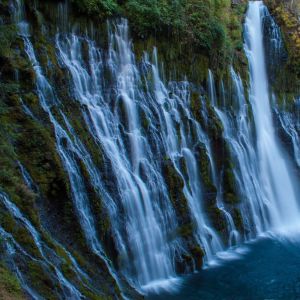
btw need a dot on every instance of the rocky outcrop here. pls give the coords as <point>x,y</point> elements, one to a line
<point>286,14</point>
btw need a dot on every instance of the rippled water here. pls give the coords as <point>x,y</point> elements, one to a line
<point>269,270</point>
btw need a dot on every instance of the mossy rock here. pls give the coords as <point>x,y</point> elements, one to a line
<point>218,220</point>
<point>186,230</point>
<point>205,171</point>
<point>198,255</point>
<point>175,186</point>
<point>238,220</point>
<point>10,288</point>
<point>288,76</point>
<point>231,198</point>
<point>41,281</point>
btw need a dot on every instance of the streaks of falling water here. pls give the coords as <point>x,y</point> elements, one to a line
<point>70,292</point>
<point>146,223</point>
<point>291,126</point>
<point>177,112</point>
<point>115,122</point>
<point>66,148</point>
<point>234,236</point>
<point>30,184</point>
<point>239,136</point>
<point>11,250</point>
<point>275,175</point>
<point>153,256</point>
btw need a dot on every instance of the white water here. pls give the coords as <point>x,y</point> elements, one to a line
<point>69,290</point>
<point>11,249</point>
<point>116,98</point>
<point>275,176</point>
<point>66,149</point>
<point>291,126</point>
<point>145,223</point>
<point>175,113</point>
<point>239,136</point>
<point>234,236</point>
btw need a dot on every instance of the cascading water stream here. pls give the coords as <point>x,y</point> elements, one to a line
<point>12,249</point>
<point>32,186</point>
<point>139,122</point>
<point>66,149</point>
<point>70,292</point>
<point>146,224</point>
<point>291,126</point>
<point>174,110</point>
<point>239,136</point>
<point>234,236</point>
<point>275,175</point>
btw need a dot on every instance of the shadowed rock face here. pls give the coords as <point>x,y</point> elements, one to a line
<point>273,42</point>
<point>286,14</point>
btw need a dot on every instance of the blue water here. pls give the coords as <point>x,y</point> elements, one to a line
<point>269,270</point>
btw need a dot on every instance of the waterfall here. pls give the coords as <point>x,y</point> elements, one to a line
<point>240,138</point>
<point>234,236</point>
<point>136,173</point>
<point>291,127</point>
<point>275,176</point>
<point>69,290</point>
<point>176,111</point>
<point>140,123</point>
<point>11,248</point>
<point>68,151</point>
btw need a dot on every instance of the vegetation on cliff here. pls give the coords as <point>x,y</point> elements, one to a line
<point>212,28</point>
<point>10,288</point>
<point>192,36</point>
<point>287,15</point>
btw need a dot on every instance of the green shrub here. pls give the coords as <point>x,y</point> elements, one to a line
<point>148,16</point>
<point>7,36</point>
<point>102,8</point>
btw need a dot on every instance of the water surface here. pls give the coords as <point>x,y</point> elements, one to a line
<point>270,270</point>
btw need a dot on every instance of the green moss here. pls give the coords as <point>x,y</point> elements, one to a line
<point>7,222</point>
<point>288,75</point>
<point>186,230</point>
<point>231,196</point>
<point>218,220</point>
<point>101,218</point>
<point>19,232</point>
<point>238,220</point>
<point>196,107</point>
<point>198,33</point>
<point>145,122</point>
<point>175,186</point>
<point>205,169</point>
<point>101,8</point>
<point>93,296</point>
<point>24,238</point>
<point>215,127</point>
<point>41,281</point>
<point>8,34</point>
<point>198,254</point>
<point>10,288</point>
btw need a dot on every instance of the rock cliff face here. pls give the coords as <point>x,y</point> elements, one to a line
<point>121,162</point>
<point>286,14</point>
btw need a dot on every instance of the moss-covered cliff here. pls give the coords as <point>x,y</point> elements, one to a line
<point>191,37</point>
<point>287,14</point>
<point>10,288</point>
<point>198,34</point>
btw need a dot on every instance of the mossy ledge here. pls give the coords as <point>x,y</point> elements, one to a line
<point>286,13</point>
